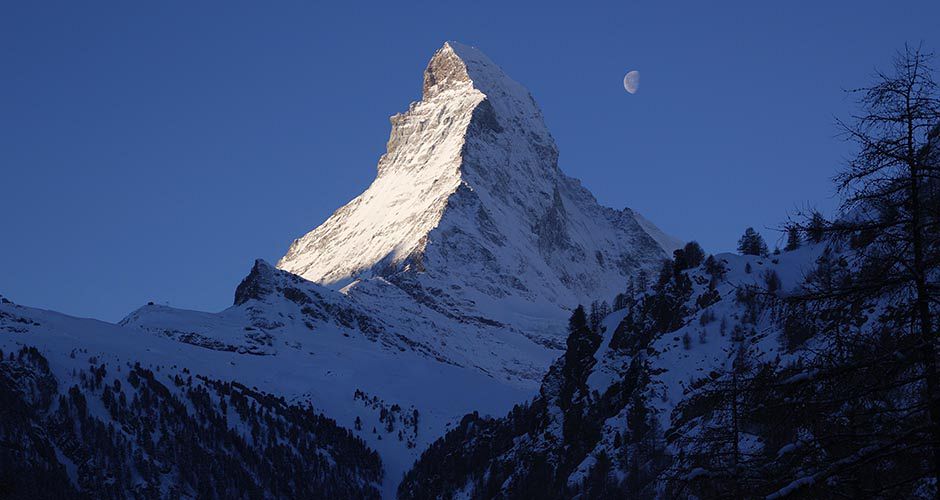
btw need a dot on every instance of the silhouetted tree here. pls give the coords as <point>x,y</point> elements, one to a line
<point>752,243</point>
<point>816,228</point>
<point>890,221</point>
<point>793,238</point>
<point>689,256</point>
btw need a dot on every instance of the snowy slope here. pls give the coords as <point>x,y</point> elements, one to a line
<point>675,365</point>
<point>323,367</point>
<point>663,369</point>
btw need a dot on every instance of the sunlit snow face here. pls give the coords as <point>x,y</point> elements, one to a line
<point>631,82</point>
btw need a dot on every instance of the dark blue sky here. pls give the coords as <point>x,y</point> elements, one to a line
<point>151,152</point>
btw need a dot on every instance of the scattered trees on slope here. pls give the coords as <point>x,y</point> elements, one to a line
<point>153,436</point>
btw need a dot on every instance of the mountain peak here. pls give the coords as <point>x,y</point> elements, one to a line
<point>470,207</point>
<point>256,284</point>
<point>464,94</point>
<point>460,67</point>
<point>445,70</point>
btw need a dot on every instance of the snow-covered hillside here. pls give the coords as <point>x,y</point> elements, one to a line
<point>727,377</point>
<point>336,369</point>
<point>646,365</point>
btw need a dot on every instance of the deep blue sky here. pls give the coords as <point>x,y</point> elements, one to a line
<point>152,150</point>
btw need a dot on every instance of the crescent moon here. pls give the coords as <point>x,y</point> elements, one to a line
<point>631,82</point>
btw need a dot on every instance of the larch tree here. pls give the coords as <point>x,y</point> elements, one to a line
<point>890,223</point>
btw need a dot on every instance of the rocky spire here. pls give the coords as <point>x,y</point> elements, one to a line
<point>446,70</point>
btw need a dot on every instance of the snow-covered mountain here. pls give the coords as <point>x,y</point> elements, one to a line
<point>469,248</point>
<point>470,214</point>
<point>442,290</point>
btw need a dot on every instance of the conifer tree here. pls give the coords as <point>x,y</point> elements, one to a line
<point>816,228</point>
<point>752,243</point>
<point>793,238</point>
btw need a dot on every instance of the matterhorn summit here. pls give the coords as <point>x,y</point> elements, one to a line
<point>469,249</point>
<point>470,214</point>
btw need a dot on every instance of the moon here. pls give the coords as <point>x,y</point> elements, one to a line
<point>631,82</point>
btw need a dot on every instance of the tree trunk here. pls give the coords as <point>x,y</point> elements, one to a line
<point>734,430</point>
